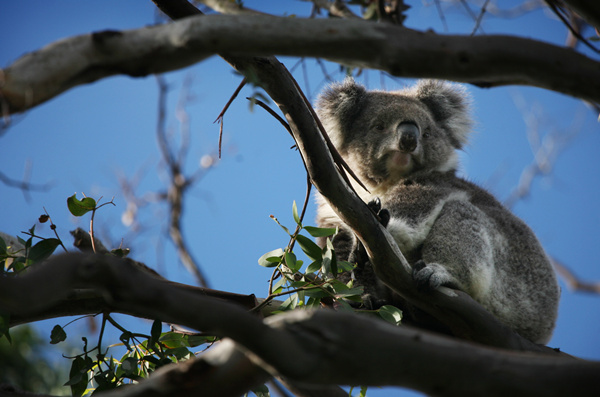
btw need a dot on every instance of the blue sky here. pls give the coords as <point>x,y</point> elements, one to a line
<point>82,140</point>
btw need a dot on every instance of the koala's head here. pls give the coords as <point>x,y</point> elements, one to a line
<point>387,136</point>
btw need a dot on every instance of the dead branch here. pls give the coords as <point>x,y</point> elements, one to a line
<point>573,282</point>
<point>25,185</point>
<point>486,61</point>
<point>179,183</point>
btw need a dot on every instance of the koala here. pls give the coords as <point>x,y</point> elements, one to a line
<point>403,146</point>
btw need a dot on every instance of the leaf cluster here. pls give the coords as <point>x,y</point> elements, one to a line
<point>144,354</point>
<point>318,283</point>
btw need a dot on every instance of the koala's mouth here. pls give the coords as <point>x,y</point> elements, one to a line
<point>399,163</point>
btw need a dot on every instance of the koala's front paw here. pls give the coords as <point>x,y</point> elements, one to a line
<point>358,254</point>
<point>382,214</point>
<point>431,275</point>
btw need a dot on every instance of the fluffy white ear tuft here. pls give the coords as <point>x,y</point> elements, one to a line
<point>450,105</point>
<point>337,106</point>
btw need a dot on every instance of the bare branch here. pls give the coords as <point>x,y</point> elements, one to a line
<point>178,183</point>
<point>573,282</point>
<point>24,185</point>
<point>545,151</point>
<point>486,61</point>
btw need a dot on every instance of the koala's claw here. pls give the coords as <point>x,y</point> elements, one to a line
<point>382,214</point>
<point>430,276</point>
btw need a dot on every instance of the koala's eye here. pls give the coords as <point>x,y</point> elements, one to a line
<point>379,127</point>
<point>426,134</point>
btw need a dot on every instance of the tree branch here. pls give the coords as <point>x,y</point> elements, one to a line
<point>486,61</point>
<point>588,10</point>
<point>403,356</point>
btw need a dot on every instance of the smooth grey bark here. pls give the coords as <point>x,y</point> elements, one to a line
<point>486,61</point>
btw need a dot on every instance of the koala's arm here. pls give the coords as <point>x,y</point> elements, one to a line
<point>458,251</point>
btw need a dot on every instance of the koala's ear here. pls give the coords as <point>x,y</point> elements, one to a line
<point>339,99</point>
<point>450,105</point>
<point>338,107</point>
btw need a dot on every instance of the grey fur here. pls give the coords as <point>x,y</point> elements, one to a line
<point>451,231</point>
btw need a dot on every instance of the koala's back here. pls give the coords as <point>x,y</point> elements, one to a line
<point>480,246</point>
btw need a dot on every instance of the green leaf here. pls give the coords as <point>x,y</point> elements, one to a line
<point>314,267</point>
<point>17,264</point>
<point>57,335</point>
<point>42,250</point>
<point>344,266</point>
<point>295,213</point>
<point>290,303</point>
<point>283,227</point>
<point>180,353</point>
<point>290,261</point>
<point>156,331</point>
<point>268,259</point>
<point>80,207</point>
<point>78,379</point>
<point>329,259</point>
<point>22,242</point>
<point>197,340</point>
<point>130,366</point>
<point>391,314</point>
<point>278,286</point>
<point>320,231</point>
<point>312,250</point>
<point>261,391</point>
<point>173,340</point>
<point>316,293</point>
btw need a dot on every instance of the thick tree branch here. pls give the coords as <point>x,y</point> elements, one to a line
<point>404,357</point>
<point>486,61</point>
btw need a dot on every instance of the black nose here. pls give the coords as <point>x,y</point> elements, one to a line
<point>409,137</point>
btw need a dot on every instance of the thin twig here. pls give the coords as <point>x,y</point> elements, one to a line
<point>573,31</point>
<point>272,113</point>
<point>573,282</point>
<point>222,114</point>
<point>441,14</point>
<point>480,18</point>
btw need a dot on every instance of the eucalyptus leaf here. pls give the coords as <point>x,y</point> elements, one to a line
<point>320,231</point>
<point>314,266</point>
<point>267,259</point>
<point>391,314</point>
<point>130,365</point>
<point>80,207</point>
<point>310,248</point>
<point>290,261</point>
<point>78,379</point>
<point>295,213</point>
<point>42,250</point>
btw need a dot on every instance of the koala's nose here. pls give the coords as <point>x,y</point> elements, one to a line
<point>409,137</point>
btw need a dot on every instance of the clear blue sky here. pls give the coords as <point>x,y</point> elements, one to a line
<point>82,140</point>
